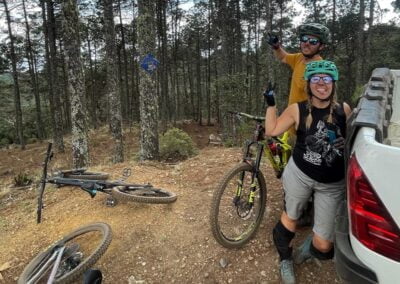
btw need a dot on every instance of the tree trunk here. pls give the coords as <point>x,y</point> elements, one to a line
<point>209,67</point>
<point>215,47</point>
<point>112,83</point>
<point>257,64</point>
<point>369,35</point>
<point>148,95</point>
<point>360,44</point>
<point>125,66</point>
<point>32,72</point>
<point>333,30</point>
<point>175,68</point>
<point>162,30</point>
<point>270,55</point>
<point>65,100</point>
<point>135,75</point>
<point>55,93</point>
<point>186,102</point>
<point>198,79</point>
<point>17,96</point>
<point>48,73</point>
<point>191,83</point>
<point>91,103</point>
<point>238,38</point>
<point>76,84</point>
<point>249,102</point>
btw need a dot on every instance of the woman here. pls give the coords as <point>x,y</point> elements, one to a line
<point>316,166</point>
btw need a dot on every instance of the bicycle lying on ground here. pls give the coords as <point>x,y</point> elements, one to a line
<point>68,259</point>
<point>118,190</point>
<point>239,202</point>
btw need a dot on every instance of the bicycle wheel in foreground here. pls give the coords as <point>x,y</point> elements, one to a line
<point>81,249</point>
<point>234,220</point>
<point>143,195</point>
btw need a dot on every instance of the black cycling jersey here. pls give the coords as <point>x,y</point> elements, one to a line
<point>314,152</point>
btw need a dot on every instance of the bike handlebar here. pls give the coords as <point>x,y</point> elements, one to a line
<point>253,117</point>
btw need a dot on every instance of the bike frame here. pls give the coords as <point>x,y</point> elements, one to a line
<point>258,141</point>
<point>90,186</point>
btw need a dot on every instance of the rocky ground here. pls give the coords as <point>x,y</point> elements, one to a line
<point>151,243</point>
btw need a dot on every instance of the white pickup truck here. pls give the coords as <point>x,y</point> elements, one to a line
<point>367,245</point>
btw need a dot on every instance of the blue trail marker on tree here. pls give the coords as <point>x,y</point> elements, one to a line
<point>149,63</point>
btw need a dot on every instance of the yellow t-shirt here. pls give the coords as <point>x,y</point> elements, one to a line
<point>296,61</point>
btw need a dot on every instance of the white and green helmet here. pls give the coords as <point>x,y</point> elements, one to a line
<point>321,67</point>
<point>315,29</point>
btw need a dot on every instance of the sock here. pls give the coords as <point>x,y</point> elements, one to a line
<point>282,238</point>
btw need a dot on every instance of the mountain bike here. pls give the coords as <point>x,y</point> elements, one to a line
<point>239,202</point>
<point>68,259</point>
<point>117,190</point>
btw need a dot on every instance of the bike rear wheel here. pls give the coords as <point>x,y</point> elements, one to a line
<point>234,221</point>
<point>85,175</point>
<point>143,195</point>
<point>83,247</point>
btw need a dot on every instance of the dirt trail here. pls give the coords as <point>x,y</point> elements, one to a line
<point>155,243</point>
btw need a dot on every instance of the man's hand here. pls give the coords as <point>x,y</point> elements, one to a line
<point>338,143</point>
<point>273,41</point>
<point>269,95</point>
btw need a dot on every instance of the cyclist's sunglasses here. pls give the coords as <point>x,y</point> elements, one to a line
<point>312,41</point>
<point>317,79</point>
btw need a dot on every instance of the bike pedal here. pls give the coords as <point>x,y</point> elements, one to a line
<point>111,202</point>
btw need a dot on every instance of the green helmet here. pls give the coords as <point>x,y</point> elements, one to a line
<point>315,29</point>
<point>321,67</point>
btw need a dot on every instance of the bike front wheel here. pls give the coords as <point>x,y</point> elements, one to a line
<point>81,249</point>
<point>143,194</point>
<point>236,210</point>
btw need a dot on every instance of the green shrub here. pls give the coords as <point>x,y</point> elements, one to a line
<point>229,142</point>
<point>22,179</point>
<point>32,140</point>
<point>176,145</point>
<point>4,142</point>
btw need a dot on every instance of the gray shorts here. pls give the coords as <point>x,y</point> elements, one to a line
<point>298,188</point>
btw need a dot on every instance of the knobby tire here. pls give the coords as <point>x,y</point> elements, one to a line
<point>215,214</point>
<point>143,195</point>
<point>76,273</point>
<point>86,175</point>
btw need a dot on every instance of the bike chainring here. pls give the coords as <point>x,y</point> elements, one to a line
<point>69,264</point>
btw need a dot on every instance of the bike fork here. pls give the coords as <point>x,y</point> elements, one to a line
<point>253,186</point>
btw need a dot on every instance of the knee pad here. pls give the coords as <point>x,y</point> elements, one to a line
<point>282,238</point>
<point>321,255</point>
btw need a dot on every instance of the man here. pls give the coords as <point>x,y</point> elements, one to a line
<point>313,38</point>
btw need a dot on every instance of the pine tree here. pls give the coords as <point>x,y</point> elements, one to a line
<point>17,95</point>
<point>147,86</point>
<point>114,102</point>
<point>76,84</point>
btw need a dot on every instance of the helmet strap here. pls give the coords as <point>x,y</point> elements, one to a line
<point>322,100</point>
<point>309,56</point>
<point>315,53</point>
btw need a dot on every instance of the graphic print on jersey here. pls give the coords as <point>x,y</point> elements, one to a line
<point>319,148</point>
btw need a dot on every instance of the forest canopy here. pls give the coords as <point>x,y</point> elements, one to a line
<point>213,57</point>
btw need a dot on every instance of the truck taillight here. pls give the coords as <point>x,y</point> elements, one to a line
<point>371,223</point>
